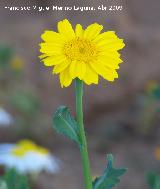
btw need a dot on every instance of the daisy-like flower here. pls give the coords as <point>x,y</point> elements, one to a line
<point>27,157</point>
<point>81,53</point>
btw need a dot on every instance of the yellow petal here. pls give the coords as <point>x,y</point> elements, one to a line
<point>54,60</point>
<point>65,78</point>
<point>111,45</point>
<point>110,54</point>
<point>60,67</point>
<point>110,62</point>
<point>51,36</point>
<point>92,31</point>
<point>105,36</point>
<point>42,56</point>
<point>79,30</point>
<point>109,41</point>
<point>77,69</point>
<point>65,29</point>
<point>90,76</point>
<point>108,74</point>
<point>50,48</point>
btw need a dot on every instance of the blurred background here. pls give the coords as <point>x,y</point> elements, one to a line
<point>121,118</point>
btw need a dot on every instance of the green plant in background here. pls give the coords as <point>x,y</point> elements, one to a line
<point>6,54</point>
<point>9,61</point>
<point>150,107</point>
<point>153,90</point>
<point>25,103</point>
<point>26,106</point>
<point>153,180</point>
<point>13,180</point>
<point>10,71</point>
<point>11,68</point>
<point>82,56</point>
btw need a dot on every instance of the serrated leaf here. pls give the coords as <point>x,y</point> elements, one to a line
<point>64,124</point>
<point>110,176</point>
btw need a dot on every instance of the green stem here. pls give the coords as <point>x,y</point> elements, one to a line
<point>83,149</point>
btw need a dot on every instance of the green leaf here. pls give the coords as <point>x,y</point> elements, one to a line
<point>25,102</point>
<point>153,180</point>
<point>64,124</point>
<point>110,176</point>
<point>22,183</point>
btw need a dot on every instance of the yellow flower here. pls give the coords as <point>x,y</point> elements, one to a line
<point>84,54</point>
<point>157,153</point>
<point>17,63</point>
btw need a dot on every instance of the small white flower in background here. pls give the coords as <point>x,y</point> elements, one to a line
<point>5,118</point>
<point>27,157</point>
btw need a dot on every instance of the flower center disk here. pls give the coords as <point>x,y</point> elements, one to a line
<point>80,50</point>
<point>25,146</point>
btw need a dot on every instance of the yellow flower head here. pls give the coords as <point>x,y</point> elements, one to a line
<point>17,63</point>
<point>81,53</point>
<point>157,153</point>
